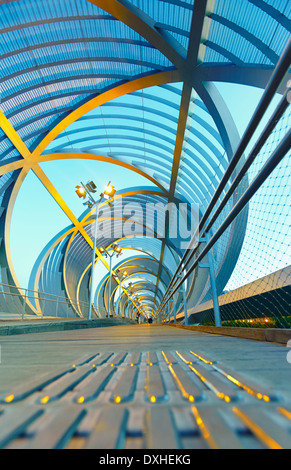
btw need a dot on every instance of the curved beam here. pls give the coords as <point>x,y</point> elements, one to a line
<point>13,136</point>
<point>85,221</point>
<point>105,279</point>
<point>220,114</point>
<point>104,283</point>
<point>82,156</point>
<point>123,89</point>
<point>71,78</point>
<point>153,111</point>
<point>224,52</point>
<point>55,20</point>
<point>250,75</point>
<point>140,130</point>
<point>72,93</point>
<point>79,284</point>
<point>65,270</point>
<point>114,289</point>
<point>38,266</point>
<point>160,146</point>
<point>101,158</point>
<point>276,14</point>
<point>257,76</point>
<point>74,40</point>
<point>75,60</point>
<point>205,177</point>
<point>143,265</point>
<point>17,141</point>
<point>198,17</point>
<point>89,265</point>
<point>151,122</point>
<point>254,40</point>
<point>14,165</point>
<point>145,26</point>
<point>9,211</point>
<point>46,252</point>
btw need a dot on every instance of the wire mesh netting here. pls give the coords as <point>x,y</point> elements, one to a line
<point>258,293</point>
<point>28,304</point>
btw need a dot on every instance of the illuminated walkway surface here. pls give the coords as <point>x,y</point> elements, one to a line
<point>142,386</point>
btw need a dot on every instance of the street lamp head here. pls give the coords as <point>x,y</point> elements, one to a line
<point>117,249</point>
<point>91,186</point>
<point>109,191</point>
<point>80,192</point>
<point>102,250</point>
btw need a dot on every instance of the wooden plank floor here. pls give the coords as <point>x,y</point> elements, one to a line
<point>143,387</point>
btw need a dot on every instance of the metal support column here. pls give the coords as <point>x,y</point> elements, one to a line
<point>24,304</point>
<point>91,299</point>
<point>57,307</point>
<point>183,291</point>
<point>185,306</point>
<point>109,287</point>
<point>210,266</point>
<point>174,308</point>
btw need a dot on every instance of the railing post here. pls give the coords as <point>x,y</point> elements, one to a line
<point>57,307</point>
<point>174,308</point>
<point>185,306</point>
<point>183,291</point>
<point>24,304</point>
<point>216,309</point>
<point>109,284</point>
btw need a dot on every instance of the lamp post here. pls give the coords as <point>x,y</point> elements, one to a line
<point>124,274</point>
<point>117,251</point>
<point>121,277</point>
<point>108,193</point>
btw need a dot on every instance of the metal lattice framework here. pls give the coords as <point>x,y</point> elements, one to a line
<point>131,84</point>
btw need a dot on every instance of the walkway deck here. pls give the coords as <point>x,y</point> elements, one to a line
<point>143,386</point>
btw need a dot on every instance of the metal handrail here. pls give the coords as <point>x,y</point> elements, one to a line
<point>278,113</point>
<point>27,294</point>
<point>38,292</point>
<point>270,90</point>
<point>267,169</point>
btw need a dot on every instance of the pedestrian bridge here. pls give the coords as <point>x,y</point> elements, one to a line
<point>145,224</point>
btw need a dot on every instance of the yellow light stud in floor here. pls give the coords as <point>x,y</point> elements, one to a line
<point>9,398</point>
<point>45,399</point>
